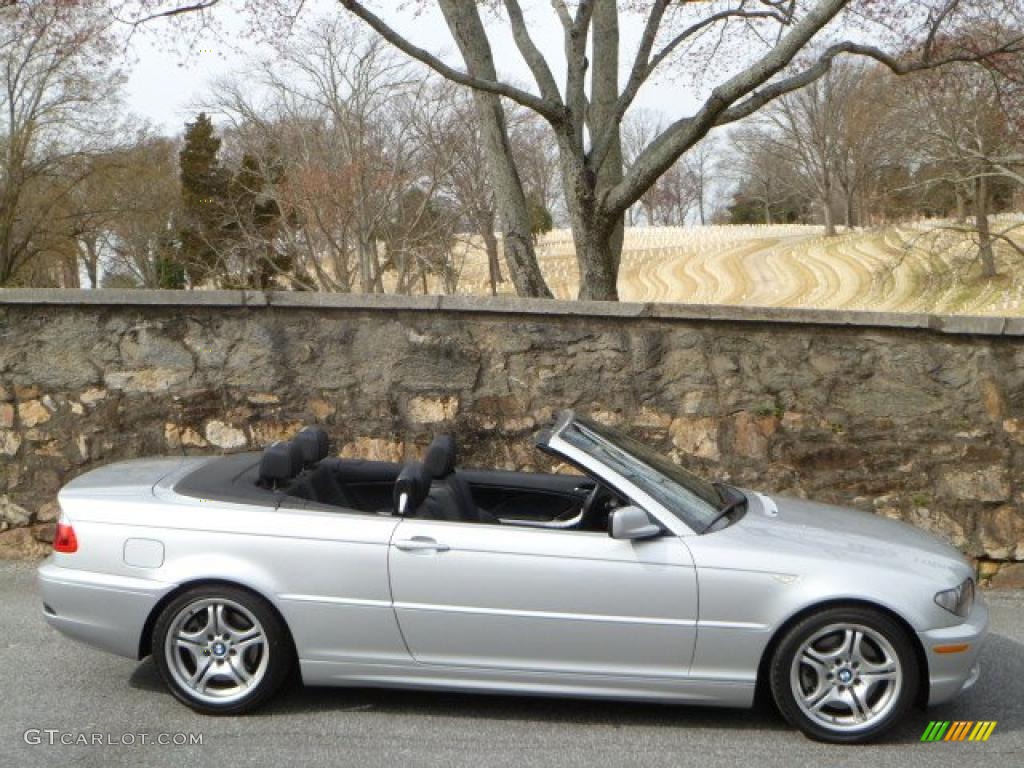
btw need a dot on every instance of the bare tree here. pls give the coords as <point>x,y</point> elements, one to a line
<point>796,44</point>
<point>700,163</point>
<point>639,129</point>
<point>332,112</point>
<point>137,239</point>
<point>760,174</point>
<point>453,140</point>
<point>968,129</point>
<point>806,128</point>
<point>55,93</point>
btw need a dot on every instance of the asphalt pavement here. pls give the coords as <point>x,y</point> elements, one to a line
<point>49,683</point>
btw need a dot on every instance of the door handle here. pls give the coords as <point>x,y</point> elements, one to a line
<point>421,544</point>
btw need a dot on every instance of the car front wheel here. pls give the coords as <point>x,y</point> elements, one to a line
<point>221,650</point>
<point>844,675</point>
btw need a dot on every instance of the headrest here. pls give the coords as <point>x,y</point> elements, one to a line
<point>312,441</point>
<point>440,457</point>
<point>280,462</point>
<point>411,488</point>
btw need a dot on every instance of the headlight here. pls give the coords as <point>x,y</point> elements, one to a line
<point>959,599</point>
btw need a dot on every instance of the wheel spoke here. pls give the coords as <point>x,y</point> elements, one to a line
<point>219,624</point>
<point>189,642</point>
<point>815,662</point>
<point>870,678</point>
<point>238,672</point>
<point>823,699</point>
<point>857,707</point>
<point>856,652</point>
<point>248,640</point>
<point>202,675</point>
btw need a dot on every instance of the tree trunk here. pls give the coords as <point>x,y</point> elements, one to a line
<point>605,93</point>
<point>961,204</point>
<point>648,212</point>
<point>592,235</point>
<point>92,261</point>
<point>463,19</point>
<point>985,250</point>
<point>598,266</point>
<point>365,268</point>
<point>849,210</point>
<point>377,272</point>
<point>69,273</point>
<point>493,262</point>
<point>767,212</point>
<point>826,209</point>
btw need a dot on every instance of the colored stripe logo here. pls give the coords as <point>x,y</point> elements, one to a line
<point>959,730</point>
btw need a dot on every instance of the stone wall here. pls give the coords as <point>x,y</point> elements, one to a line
<point>916,417</point>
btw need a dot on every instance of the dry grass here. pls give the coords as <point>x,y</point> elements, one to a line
<point>892,269</point>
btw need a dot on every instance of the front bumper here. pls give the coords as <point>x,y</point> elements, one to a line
<point>952,673</point>
<point>102,610</point>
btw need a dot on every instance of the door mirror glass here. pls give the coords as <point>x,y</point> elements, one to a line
<point>632,523</point>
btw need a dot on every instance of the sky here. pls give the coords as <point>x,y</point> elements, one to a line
<point>166,82</point>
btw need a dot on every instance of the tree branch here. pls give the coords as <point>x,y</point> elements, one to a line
<point>576,67</point>
<point>538,105</point>
<point>531,54</point>
<point>180,10</point>
<point>824,63</point>
<point>684,133</point>
<point>644,66</point>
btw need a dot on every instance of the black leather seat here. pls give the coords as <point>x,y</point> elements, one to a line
<point>280,463</point>
<point>327,489</point>
<point>452,493</point>
<point>411,489</point>
<point>321,483</point>
<point>314,444</point>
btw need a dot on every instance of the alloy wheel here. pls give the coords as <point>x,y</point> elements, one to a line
<point>217,650</point>
<point>846,677</point>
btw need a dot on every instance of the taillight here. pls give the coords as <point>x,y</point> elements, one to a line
<point>64,539</point>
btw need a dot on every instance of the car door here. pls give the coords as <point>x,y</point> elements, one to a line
<point>510,598</point>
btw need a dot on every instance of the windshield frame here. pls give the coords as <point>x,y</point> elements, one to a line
<point>684,515</point>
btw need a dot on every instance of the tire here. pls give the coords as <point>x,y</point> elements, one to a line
<point>845,675</point>
<point>222,650</point>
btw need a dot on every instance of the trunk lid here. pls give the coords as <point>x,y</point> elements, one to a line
<point>123,479</point>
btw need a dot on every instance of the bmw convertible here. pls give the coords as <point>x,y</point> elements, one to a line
<point>631,578</point>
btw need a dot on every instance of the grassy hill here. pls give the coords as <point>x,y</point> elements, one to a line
<point>908,268</point>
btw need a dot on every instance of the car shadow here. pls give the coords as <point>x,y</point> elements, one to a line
<point>1002,662</point>
<point>298,700</point>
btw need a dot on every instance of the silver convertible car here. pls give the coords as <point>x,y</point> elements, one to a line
<point>633,579</point>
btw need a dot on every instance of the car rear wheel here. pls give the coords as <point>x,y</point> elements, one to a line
<point>844,675</point>
<point>221,649</point>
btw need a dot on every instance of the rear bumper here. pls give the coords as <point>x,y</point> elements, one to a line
<point>102,610</point>
<point>952,673</point>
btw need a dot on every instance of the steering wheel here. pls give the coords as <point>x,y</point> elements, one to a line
<point>593,510</point>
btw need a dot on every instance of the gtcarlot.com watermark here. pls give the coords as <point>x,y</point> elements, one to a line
<point>55,737</point>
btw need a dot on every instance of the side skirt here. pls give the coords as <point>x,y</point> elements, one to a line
<point>724,693</point>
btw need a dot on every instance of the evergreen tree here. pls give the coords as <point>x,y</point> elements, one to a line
<point>255,224</point>
<point>541,221</point>
<point>204,191</point>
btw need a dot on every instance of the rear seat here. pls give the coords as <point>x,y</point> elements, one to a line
<point>279,465</point>
<point>319,482</point>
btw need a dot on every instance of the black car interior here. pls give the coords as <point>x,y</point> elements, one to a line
<point>301,473</point>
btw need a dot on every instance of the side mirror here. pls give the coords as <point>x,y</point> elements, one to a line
<point>632,523</point>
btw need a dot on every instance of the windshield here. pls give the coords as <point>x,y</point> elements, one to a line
<point>690,498</point>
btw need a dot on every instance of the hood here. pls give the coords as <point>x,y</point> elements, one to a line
<point>807,529</point>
